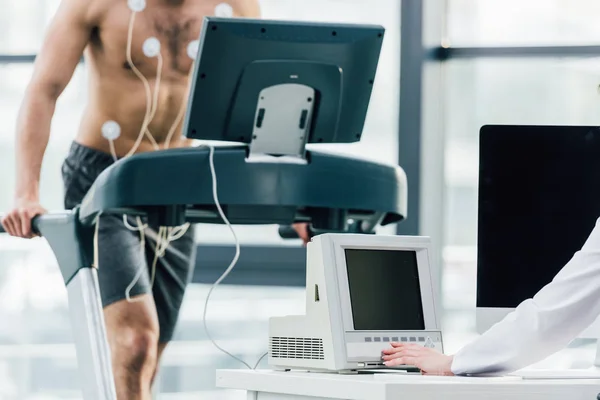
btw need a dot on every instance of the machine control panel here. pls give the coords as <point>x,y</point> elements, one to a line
<point>367,346</point>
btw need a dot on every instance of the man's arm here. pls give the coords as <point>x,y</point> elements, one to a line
<point>55,64</point>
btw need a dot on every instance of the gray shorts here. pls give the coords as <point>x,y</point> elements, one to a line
<point>120,254</point>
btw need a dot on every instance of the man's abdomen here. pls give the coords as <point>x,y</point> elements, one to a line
<point>116,113</point>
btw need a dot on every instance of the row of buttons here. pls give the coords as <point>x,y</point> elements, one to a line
<point>386,339</point>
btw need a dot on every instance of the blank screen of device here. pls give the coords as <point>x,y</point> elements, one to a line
<point>385,293</point>
<point>539,198</point>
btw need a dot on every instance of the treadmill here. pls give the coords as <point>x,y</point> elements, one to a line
<point>268,89</point>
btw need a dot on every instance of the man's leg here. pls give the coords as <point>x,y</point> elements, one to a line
<point>133,333</point>
<point>161,350</point>
<point>132,328</point>
<point>173,274</point>
<point>139,331</point>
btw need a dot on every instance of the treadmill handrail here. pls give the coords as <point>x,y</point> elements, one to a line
<point>34,222</point>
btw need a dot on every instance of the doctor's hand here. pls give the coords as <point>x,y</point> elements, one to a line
<point>429,361</point>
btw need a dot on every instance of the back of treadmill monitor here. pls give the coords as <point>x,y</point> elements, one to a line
<point>278,85</point>
<point>362,292</point>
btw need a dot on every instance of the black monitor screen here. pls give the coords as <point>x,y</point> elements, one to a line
<point>539,198</point>
<point>384,290</point>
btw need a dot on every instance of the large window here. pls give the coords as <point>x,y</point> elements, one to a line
<point>22,25</point>
<point>37,357</point>
<point>516,22</point>
<point>481,88</point>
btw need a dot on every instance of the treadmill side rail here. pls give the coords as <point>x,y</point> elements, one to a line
<point>89,331</point>
<point>66,236</point>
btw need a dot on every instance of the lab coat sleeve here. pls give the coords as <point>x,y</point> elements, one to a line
<point>544,324</point>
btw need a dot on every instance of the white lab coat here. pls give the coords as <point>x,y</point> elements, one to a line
<point>543,325</point>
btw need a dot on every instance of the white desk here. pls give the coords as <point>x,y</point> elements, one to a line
<point>271,385</point>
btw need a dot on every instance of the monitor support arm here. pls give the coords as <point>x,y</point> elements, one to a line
<point>283,120</point>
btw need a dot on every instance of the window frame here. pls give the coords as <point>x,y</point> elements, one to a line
<point>424,51</point>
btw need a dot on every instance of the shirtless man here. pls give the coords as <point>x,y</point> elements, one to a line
<point>138,331</point>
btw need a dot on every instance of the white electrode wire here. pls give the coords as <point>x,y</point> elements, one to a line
<point>175,123</point>
<point>130,227</point>
<point>113,151</point>
<point>151,100</point>
<point>140,228</point>
<point>155,101</point>
<point>147,88</point>
<point>181,112</point>
<point>153,141</point>
<point>165,236</point>
<point>159,69</point>
<point>152,277</point>
<point>233,262</point>
<point>178,232</point>
<point>157,254</point>
<point>163,241</point>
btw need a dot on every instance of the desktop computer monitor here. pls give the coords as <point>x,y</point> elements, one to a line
<point>539,199</point>
<point>362,293</point>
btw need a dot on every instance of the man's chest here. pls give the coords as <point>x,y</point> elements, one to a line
<point>175,27</point>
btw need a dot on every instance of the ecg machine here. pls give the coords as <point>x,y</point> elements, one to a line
<point>362,293</point>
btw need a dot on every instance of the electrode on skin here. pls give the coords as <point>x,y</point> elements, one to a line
<point>136,5</point>
<point>111,130</point>
<point>151,47</point>
<point>192,49</point>
<point>223,10</point>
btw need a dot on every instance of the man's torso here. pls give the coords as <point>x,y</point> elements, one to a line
<point>116,93</point>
